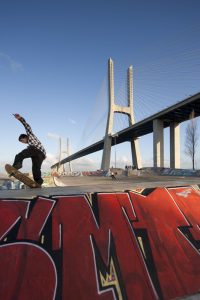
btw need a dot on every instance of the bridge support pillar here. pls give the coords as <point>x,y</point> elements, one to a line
<point>105,163</point>
<point>158,143</point>
<point>136,157</point>
<point>114,108</point>
<point>175,145</point>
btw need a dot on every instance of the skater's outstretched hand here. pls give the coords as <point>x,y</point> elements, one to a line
<point>17,116</point>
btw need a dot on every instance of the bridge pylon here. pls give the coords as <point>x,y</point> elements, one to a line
<point>114,108</point>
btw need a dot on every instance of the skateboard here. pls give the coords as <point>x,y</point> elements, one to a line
<point>21,177</point>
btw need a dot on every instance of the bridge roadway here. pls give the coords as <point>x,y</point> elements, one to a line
<point>178,112</point>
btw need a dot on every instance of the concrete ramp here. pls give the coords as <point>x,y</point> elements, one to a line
<point>141,244</point>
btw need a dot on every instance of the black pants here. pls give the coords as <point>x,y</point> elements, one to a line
<point>37,158</point>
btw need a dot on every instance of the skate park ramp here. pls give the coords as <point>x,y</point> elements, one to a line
<point>136,244</point>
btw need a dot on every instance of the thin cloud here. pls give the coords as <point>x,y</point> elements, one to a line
<point>124,159</point>
<point>81,164</point>
<point>14,65</point>
<point>50,159</point>
<point>72,121</point>
<point>53,135</point>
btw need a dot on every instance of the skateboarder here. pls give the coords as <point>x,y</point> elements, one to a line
<point>35,151</point>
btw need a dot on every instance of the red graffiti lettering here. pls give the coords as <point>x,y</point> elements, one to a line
<point>32,225</point>
<point>177,262</point>
<point>26,272</point>
<point>120,246</point>
<point>106,214</point>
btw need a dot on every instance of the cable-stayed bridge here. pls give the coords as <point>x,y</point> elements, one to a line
<point>176,113</point>
<point>171,117</point>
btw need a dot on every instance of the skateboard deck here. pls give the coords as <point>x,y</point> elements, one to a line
<point>21,177</point>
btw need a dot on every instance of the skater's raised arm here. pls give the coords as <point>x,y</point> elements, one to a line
<point>26,125</point>
<point>29,138</point>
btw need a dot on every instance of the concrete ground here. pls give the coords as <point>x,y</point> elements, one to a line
<point>90,184</point>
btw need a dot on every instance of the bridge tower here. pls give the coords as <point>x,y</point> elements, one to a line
<point>114,108</point>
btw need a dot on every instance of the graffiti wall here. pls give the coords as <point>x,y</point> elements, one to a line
<point>141,244</point>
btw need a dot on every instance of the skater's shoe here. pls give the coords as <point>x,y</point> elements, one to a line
<point>40,182</point>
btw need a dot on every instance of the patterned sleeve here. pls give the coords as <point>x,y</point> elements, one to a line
<point>32,139</point>
<point>26,126</point>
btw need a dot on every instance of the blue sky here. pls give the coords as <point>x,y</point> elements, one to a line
<point>53,68</point>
